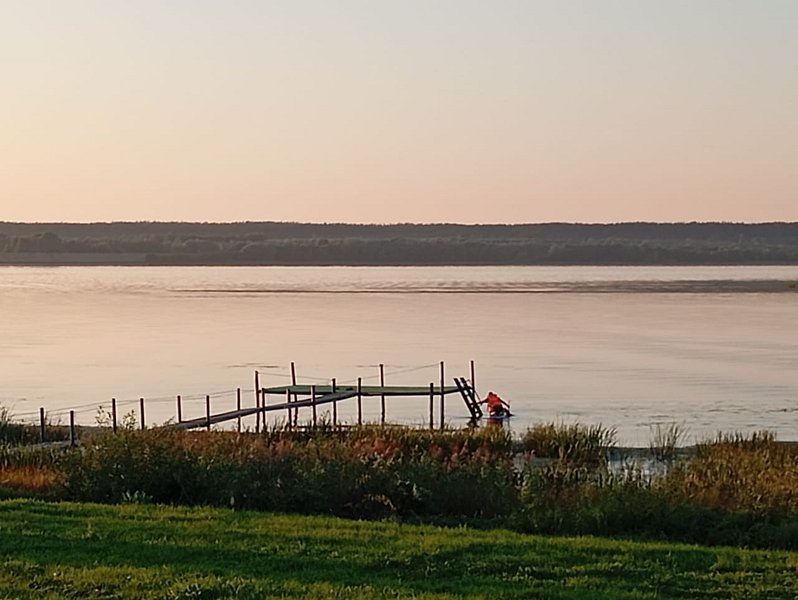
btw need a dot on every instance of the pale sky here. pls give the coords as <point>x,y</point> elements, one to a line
<point>404,111</point>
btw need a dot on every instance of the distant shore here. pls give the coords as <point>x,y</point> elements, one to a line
<point>407,244</point>
<point>134,259</point>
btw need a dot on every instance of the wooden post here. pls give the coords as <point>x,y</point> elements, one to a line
<point>359,401</point>
<point>238,408</point>
<point>443,381</point>
<point>293,382</point>
<point>257,401</point>
<point>208,412</point>
<point>288,404</point>
<point>141,411</point>
<point>313,402</point>
<point>72,436</point>
<point>473,377</point>
<point>113,414</point>
<point>382,396</point>
<point>263,402</point>
<point>431,405</point>
<point>335,405</point>
<point>42,433</point>
<point>179,409</point>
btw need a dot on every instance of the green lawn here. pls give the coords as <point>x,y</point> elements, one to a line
<point>62,550</point>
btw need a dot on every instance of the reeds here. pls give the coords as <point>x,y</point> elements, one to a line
<point>572,443</point>
<point>737,472</point>
<point>665,440</point>
<point>363,472</point>
<point>735,489</point>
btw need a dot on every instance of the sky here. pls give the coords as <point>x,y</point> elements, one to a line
<point>369,111</point>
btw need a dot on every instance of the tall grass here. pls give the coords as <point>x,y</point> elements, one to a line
<point>12,432</point>
<point>665,440</point>
<point>736,472</point>
<point>734,489</point>
<point>363,472</point>
<point>572,443</point>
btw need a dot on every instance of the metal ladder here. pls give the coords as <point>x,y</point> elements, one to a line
<point>469,397</point>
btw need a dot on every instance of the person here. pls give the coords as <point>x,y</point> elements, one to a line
<point>496,406</point>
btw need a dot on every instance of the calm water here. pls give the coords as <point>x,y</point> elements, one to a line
<point>713,348</point>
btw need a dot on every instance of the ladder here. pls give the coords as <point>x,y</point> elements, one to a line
<point>469,397</point>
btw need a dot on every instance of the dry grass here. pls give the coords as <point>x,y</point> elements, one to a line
<point>29,479</point>
<point>752,473</point>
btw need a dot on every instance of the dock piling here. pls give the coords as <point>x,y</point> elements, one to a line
<point>113,414</point>
<point>382,397</point>
<point>257,401</point>
<point>313,403</point>
<point>208,411</point>
<point>293,382</point>
<point>238,408</point>
<point>288,404</point>
<point>141,411</point>
<point>431,406</point>
<point>42,425</point>
<point>473,376</point>
<point>179,409</point>
<point>335,405</point>
<point>72,436</point>
<point>443,394</point>
<point>360,401</point>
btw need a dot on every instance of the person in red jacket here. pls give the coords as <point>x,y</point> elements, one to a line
<point>496,406</point>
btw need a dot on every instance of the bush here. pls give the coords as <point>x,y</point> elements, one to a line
<point>362,472</point>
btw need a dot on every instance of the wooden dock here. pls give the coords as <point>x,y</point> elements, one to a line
<point>291,398</point>
<point>311,396</point>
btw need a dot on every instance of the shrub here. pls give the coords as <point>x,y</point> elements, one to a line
<point>359,472</point>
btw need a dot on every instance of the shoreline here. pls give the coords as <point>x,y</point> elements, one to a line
<point>44,259</point>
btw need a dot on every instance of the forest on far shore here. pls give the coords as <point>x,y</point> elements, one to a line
<point>273,243</point>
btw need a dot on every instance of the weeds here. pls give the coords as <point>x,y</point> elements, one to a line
<point>365,472</point>
<point>666,440</point>
<point>741,473</point>
<point>735,489</point>
<point>570,443</point>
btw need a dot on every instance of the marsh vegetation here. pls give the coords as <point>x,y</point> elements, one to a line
<point>736,489</point>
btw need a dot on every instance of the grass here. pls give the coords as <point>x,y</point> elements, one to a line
<point>736,472</point>
<point>665,440</point>
<point>737,490</point>
<point>574,443</point>
<point>30,480</point>
<point>67,550</point>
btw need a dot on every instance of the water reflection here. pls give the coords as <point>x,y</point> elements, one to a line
<point>720,357</point>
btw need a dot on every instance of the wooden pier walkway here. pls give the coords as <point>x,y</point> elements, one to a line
<point>291,398</point>
<point>311,396</point>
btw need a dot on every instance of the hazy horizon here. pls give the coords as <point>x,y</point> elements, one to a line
<point>415,112</point>
<point>421,223</point>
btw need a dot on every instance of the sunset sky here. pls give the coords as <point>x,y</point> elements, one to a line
<point>412,110</point>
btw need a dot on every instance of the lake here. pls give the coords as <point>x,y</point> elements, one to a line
<point>712,348</point>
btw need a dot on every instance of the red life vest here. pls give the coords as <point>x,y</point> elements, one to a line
<point>494,402</point>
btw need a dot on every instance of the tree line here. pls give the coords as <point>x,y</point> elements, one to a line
<point>407,244</point>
